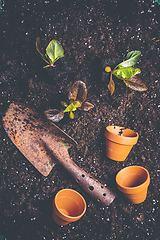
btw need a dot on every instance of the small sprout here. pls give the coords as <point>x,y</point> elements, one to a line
<point>126,72</point>
<point>77,96</point>
<point>54,51</point>
<point>73,106</point>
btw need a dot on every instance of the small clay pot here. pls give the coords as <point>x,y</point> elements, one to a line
<point>133,181</point>
<point>119,142</point>
<point>68,206</point>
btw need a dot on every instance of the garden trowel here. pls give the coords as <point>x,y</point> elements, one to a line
<point>44,144</point>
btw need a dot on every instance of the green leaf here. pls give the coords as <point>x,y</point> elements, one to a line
<point>131,59</point>
<point>69,108</point>
<point>46,56</point>
<point>64,104</point>
<point>54,115</point>
<point>111,85</point>
<point>73,106</point>
<point>47,66</point>
<point>78,91</point>
<point>124,73</point>
<point>86,106</point>
<point>54,51</point>
<point>135,83</point>
<point>71,115</point>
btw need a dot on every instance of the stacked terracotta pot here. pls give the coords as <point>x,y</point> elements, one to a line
<point>133,181</point>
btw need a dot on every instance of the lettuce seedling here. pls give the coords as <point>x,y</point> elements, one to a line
<point>54,51</point>
<point>126,72</point>
<point>77,96</point>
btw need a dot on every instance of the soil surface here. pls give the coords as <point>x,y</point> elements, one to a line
<point>89,31</point>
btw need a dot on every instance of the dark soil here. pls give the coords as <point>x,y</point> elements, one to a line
<point>89,31</point>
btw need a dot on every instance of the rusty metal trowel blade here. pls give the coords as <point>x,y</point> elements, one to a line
<point>29,132</point>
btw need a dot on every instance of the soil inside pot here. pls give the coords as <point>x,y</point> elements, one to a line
<point>133,181</point>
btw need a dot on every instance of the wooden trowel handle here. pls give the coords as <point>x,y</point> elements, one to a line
<point>92,186</point>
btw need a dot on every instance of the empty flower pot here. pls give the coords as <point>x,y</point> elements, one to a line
<point>119,142</point>
<point>68,206</point>
<point>133,181</point>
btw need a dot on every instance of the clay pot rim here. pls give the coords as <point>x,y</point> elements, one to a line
<point>133,190</point>
<point>119,138</point>
<point>56,215</point>
<point>64,216</point>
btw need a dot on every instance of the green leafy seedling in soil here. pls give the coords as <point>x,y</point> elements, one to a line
<point>158,1</point>
<point>126,72</point>
<point>54,51</point>
<point>77,96</point>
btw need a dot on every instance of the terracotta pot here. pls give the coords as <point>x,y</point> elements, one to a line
<point>68,206</point>
<point>133,181</point>
<point>119,142</point>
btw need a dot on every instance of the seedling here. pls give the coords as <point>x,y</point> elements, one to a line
<point>126,72</point>
<point>158,1</point>
<point>77,96</point>
<point>54,51</point>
